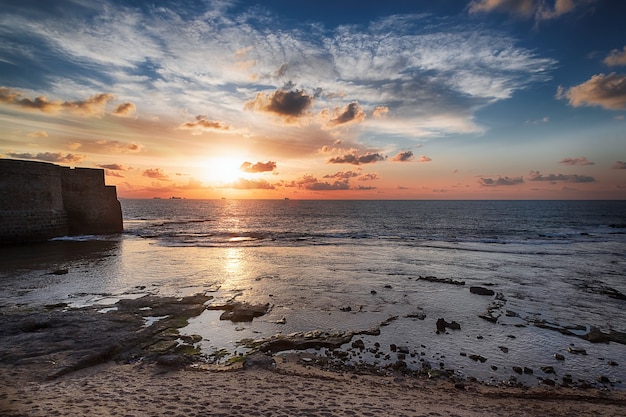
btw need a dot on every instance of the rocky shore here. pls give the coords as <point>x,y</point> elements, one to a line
<point>58,360</point>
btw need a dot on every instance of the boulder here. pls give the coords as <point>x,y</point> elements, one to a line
<point>481,291</point>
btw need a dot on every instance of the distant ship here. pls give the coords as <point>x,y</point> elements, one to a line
<point>176,198</point>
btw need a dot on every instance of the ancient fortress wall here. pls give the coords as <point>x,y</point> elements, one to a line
<point>39,200</point>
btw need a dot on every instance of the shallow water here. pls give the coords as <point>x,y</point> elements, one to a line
<point>550,261</point>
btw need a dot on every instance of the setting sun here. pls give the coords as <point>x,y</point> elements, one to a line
<point>222,171</point>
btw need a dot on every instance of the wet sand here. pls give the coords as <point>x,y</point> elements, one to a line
<point>290,389</point>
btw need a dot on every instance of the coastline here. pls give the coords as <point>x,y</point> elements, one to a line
<point>58,361</point>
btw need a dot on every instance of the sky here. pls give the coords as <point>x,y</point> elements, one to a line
<point>397,99</point>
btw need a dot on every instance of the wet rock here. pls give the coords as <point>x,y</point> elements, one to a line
<point>596,336</point>
<point>489,318</point>
<point>59,272</point>
<point>618,337</point>
<point>549,382</point>
<point>358,344</point>
<point>242,312</point>
<point>373,292</point>
<point>547,369</point>
<point>173,361</point>
<point>613,363</point>
<point>576,350</point>
<point>504,349</point>
<point>346,309</point>
<point>420,315</point>
<point>478,358</point>
<point>441,280</point>
<point>518,370</point>
<point>259,360</point>
<point>442,324</point>
<point>559,357</point>
<point>481,291</point>
<point>527,370</point>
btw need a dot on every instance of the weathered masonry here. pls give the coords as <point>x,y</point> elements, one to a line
<point>39,200</point>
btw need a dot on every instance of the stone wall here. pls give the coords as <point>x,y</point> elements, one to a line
<point>39,200</point>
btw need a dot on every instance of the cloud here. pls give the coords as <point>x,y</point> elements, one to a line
<point>490,182</point>
<point>403,156</point>
<point>204,123</point>
<point>608,91</point>
<point>49,157</point>
<point>268,166</point>
<point>380,112</point>
<point>38,134</point>
<point>245,184</point>
<point>616,58</point>
<point>539,9</point>
<point>289,105</point>
<point>125,110</point>
<point>619,165</point>
<point>343,175</point>
<point>576,161</point>
<point>352,113</point>
<point>424,158</point>
<point>573,178</point>
<point>92,106</point>
<point>371,176</point>
<point>106,146</point>
<point>156,174</point>
<point>110,173</point>
<point>115,167</point>
<point>368,158</point>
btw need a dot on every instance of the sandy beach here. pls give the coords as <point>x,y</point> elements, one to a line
<point>290,389</point>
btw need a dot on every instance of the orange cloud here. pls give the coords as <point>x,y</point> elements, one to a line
<point>380,111</point>
<point>608,91</point>
<point>351,113</point>
<point>38,134</point>
<point>245,184</point>
<point>204,123</point>
<point>619,165</point>
<point>403,156</point>
<point>268,166</point>
<point>115,167</point>
<point>125,110</point>
<point>490,182</point>
<point>93,106</point>
<point>156,174</point>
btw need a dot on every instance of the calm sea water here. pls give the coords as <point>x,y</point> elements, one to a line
<point>561,264</point>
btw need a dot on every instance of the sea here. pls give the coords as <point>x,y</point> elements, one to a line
<point>557,270</point>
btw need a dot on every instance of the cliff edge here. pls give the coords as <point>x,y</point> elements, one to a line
<point>39,201</point>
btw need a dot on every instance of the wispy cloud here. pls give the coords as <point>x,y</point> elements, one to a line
<point>581,160</point>
<point>537,176</point>
<point>537,9</point>
<point>49,157</point>
<point>500,181</point>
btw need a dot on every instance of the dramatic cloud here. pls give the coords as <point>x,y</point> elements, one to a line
<point>576,161</point>
<point>93,106</point>
<point>619,165</point>
<point>616,58</point>
<point>573,178</point>
<point>124,110</point>
<point>539,9</point>
<point>368,158</point>
<point>268,166</point>
<point>490,182</point>
<point>287,104</point>
<point>156,174</point>
<point>608,91</point>
<point>49,157</point>
<point>352,113</point>
<point>204,123</point>
<point>245,184</point>
<point>115,167</point>
<point>403,156</point>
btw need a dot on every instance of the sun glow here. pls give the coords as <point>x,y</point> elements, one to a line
<point>222,171</point>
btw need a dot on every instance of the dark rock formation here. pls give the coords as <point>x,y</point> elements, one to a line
<point>481,291</point>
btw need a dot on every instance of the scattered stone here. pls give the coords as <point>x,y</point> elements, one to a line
<point>604,379</point>
<point>173,361</point>
<point>242,312</point>
<point>282,320</point>
<point>259,360</point>
<point>518,370</point>
<point>59,272</point>
<point>346,309</point>
<point>510,313</point>
<point>388,286</point>
<point>420,315</point>
<point>504,349</point>
<point>547,369</point>
<point>528,371</point>
<point>489,318</point>
<point>559,357</point>
<point>481,291</point>
<point>549,382</point>
<point>460,386</point>
<point>595,335</point>
<point>373,292</point>
<point>478,358</point>
<point>494,368</point>
<point>613,363</point>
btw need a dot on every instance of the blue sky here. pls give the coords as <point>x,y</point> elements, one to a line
<point>477,99</point>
